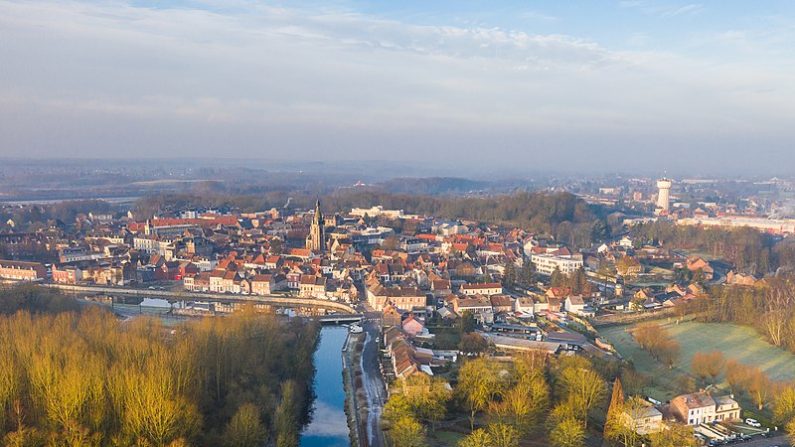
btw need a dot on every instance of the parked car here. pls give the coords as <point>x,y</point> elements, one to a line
<point>752,422</point>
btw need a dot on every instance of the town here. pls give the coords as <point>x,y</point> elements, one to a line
<point>438,293</point>
<point>261,223</point>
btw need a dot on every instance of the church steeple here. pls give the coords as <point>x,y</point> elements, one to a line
<point>316,241</point>
<point>318,220</point>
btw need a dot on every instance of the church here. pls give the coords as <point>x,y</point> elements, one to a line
<point>316,240</point>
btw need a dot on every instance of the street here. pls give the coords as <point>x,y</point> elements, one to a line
<point>780,441</point>
<point>373,384</point>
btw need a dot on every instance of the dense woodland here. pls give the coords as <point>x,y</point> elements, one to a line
<point>748,249</point>
<point>769,307</point>
<point>89,379</point>
<point>36,300</point>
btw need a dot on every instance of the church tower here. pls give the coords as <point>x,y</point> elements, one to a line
<point>317,233</point>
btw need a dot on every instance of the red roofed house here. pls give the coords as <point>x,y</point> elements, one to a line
<point>412,326</point>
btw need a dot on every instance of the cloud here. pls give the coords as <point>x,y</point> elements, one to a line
<point>536,15</point>
<point>327,421</point>
<point>242,78</point>
<point>664,10</point>
<point>690,9</point>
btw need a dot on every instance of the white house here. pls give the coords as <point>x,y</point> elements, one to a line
<point>546,263</point>
<point>524,304</point>
<point>574,304</point>
<point>486,289</point>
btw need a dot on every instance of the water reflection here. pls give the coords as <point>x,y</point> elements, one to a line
<point>329,426</point>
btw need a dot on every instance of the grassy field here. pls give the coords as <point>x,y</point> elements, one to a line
<point>737,342</point>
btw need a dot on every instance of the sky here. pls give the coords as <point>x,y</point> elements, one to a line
<point>629,85</point>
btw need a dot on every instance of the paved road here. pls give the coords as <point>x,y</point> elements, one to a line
<point>276,300</point>
<point>373,383</point>
<point>765,442</point>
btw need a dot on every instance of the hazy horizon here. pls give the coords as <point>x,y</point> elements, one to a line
<point>621,86</point>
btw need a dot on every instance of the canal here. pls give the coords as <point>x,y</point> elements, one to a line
<point>329,426</point>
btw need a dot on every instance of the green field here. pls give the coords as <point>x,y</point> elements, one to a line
<point>735,342</point>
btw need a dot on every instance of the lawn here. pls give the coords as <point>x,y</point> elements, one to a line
<point>738,342</point>
<point>443,438</point>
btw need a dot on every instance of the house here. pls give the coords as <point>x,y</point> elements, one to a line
<point>402,353</point>
<point>541,306</point>
<point>312,286</point>
<point>698,408</point>
<point>197,283</point>
<point>574,304</point>
<point>501,303</point>
<point>294,279</point>
<point>524,304</point>
<point>446,313</point>
<point>68,274</point>
<point>695,264</point>
<point>405,298</point>
<point>22,271</point>
<point>478,305</point>
<point>392,316</point>
<point>412,326</point>
<point>263,284</point>
<point>482,289</point>
<point>644,420</point>
<point>726,408</point>
<point>187,269</point>
<point>740,279</point>
<point>217,281</point>
<point>441,287</point>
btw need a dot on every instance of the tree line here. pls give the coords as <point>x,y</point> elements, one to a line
<point>559,400</point>
<point>769,307</point>
<point>656,340</point>
<point>89,379</point>
<point>748,249</point>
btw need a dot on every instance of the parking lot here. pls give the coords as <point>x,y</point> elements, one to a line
<point>738,434</point>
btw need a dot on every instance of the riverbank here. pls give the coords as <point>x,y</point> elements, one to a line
<point>365,391</point>
<point>352,404</point>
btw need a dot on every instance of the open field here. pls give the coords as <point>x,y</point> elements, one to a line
<point>737,342</point>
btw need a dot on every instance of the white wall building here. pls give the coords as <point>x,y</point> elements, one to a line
<point>547,263</point>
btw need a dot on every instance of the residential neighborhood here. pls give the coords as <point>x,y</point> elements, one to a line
<point>441,291</point>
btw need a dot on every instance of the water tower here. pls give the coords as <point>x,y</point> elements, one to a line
<point>664,195</point>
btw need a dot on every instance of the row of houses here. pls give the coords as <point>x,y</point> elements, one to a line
<point>22,271</point>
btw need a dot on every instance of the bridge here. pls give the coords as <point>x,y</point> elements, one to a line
<point>340,318</point>
<point>272,300</point>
